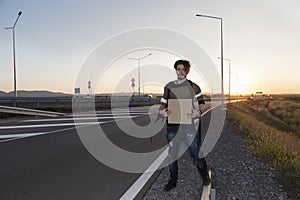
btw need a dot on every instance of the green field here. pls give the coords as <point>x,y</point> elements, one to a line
<point>272,127</point>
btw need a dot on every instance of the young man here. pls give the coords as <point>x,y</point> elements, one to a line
<point>182,88</point>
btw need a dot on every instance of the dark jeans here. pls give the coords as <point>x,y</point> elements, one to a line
<point>187,134</point>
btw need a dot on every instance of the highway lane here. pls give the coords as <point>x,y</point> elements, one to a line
<point>57,165</point>
<point>12,129</point>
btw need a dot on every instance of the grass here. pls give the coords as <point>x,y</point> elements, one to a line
<point>272,138</point>
<point>281,112</point>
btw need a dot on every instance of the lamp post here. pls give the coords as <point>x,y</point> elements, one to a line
<point>229,61</point>
<point>14,52</point>
<point>222,86</point>
<point>139,69</point>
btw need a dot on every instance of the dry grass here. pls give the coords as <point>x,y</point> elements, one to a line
<point>281,112</point>
<point>287,110</point>
<point>271,138</point>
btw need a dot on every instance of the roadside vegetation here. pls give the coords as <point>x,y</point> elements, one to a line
<point>272,128</point>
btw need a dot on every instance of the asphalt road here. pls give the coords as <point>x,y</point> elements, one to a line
<point>56,165</point>
<point>45,158</point>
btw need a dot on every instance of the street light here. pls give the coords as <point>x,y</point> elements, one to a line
<point>14,52</point>
<point>139,69</point>
<point>222,87</point>
<point>229,61</point>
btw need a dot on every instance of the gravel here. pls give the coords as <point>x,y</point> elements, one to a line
<point>236,174</point>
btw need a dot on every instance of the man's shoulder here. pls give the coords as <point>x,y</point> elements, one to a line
<point>192,83</point>
<point>170,84</point>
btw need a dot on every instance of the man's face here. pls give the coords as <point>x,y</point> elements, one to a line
<point>180,71</point>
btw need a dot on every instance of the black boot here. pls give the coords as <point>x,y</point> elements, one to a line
<point>205,179</point>
<point>170,185</point>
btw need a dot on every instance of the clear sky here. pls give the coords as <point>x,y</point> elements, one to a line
<point>54,39</point>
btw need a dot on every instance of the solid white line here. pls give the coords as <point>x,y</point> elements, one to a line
<point>70,119</point>
<point>8,140</point>
<point>108,113</point>
<point>65,124</point>
<point>21,135</point>
<point>210,109</point>
<point>11,137</point>
<point>24,135</point>
<point>47,125</point>
<point>144,178</point>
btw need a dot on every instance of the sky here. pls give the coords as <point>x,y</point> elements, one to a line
<point>55,40</point>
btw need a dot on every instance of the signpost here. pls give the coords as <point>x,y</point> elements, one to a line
<point>132,85</point>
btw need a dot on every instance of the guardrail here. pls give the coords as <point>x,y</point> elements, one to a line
<point>66,102</point>
<point>24,111</point>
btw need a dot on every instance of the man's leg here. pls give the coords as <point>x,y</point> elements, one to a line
<point>172,158</point>
<point>192,139</point>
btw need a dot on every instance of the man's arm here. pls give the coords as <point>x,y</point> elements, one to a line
<point>197,110</point>
<point>163,109</point>
<point>198,102</point>
<point>201,108</point>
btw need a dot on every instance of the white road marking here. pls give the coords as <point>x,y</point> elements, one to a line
<point>8,140</point>
<point>21,135</point>
<point>63,124</point>
<point>108,113</point>
<point>47,125</point>
<point>24,135</point>
<point>144,178</point>
<point>10,137</point>
<point>210,109</point>
<point>71,119</point>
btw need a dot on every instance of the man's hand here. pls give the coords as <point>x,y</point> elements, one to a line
<point>165,112</point>
<point>194,114</point>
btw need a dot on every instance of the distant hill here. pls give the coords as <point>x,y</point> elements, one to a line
<point>34,93</point>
